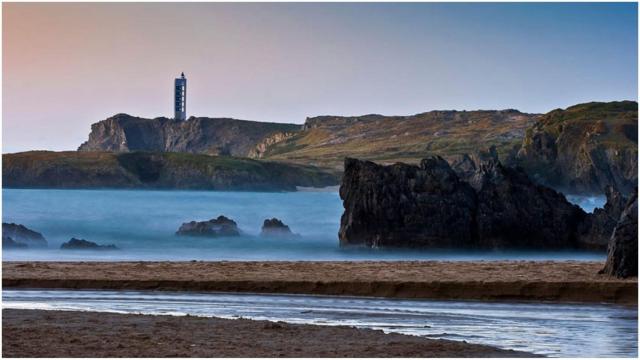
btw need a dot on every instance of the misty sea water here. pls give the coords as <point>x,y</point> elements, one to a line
<point>143,223</point>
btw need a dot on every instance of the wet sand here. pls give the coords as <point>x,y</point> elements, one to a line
<point>571,281</point>
<point>38,333</point>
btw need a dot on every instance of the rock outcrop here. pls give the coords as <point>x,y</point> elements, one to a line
<point>514,212</point>
<point>220,227</point>
<point>430,206</point>
<point>81,244</point>
<point>622,253</point>
<point>9,243</point>
<point>263,146</point>
<point>584,148</point>
<point>212,136</point>
<point>597,228</point>
<point>406,206</point>
<point>143,170</point>
<point>276,228</point>
<point>21,234</point>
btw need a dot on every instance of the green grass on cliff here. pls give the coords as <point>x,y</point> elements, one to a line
<point>612,124</point>
<point>389,139</point>
<point>70,169</point>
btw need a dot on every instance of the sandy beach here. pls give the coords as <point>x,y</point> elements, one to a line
<point>570,281</point>
<point>89,334</point>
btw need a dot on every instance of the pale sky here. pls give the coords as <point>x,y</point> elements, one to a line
<point>66,65</point>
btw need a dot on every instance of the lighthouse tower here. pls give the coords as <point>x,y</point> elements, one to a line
<point>180,98</point>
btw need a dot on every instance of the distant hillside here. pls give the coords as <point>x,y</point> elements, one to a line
<point>584,147</point>
<point>580,149</point>
<point>212,136</point>
<point>46,169</point>
<point>327,140</point>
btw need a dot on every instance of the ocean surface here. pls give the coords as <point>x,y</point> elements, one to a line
<point>550,329</point>
<point>143,223</point>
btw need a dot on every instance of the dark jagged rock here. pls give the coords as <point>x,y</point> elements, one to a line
<point>9,243</point>
<point>222,226</point>
<point>407,206</point>
<point>622,253</point>
<point>275,227</point>
<point>515,212</point>
<point>81,244</point>
<point>597,228</point>
<point>466,166</point>
<point>21,234</point>
<point>430,206</point>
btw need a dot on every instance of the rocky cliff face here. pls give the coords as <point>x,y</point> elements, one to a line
<point>46,169</point>
<point>431,206</point>
<point>212,136</point>
<point>584,148</point>
<point>622,254</point>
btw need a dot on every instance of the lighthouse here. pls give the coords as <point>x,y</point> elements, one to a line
<point>180,98</point>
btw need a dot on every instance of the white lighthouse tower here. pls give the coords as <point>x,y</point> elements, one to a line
<point>180,98</point>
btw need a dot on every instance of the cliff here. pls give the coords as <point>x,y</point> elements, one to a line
<point>144,170</point>
<point>581,149</point>
<point>212,136</point>
<point>584,148</point>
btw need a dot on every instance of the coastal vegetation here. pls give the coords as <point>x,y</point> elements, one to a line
<point>149,170</point>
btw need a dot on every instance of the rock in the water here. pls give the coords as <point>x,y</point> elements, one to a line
<point>21,234</point>
<point>222,226</point>
<point>430,206</point>
<point>9,243</point>
<point>275,227</point>
<point>406,206</point>
<point>622,254</point>
<point>597,228</point>
<point>81,244</point>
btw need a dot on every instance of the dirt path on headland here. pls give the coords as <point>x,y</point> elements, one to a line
<point>479,280</point>
<point>37,333</point>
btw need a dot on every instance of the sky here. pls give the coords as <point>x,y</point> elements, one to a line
<point>68,65</point>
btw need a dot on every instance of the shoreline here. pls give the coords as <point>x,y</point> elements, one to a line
<point>93,334</point>
<point>558,281</point>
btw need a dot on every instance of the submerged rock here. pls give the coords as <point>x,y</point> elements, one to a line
<point>275,227</point>
<point>431,206</point>
<point>222,226</point>
<point>23,235</point>
<point>81,244</point>
<point>622,253</point>
<point>9,243</point>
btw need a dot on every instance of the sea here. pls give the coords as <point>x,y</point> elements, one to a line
<point>142,224</point>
